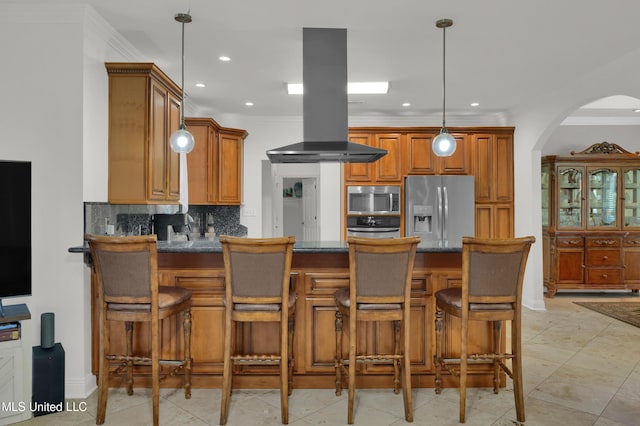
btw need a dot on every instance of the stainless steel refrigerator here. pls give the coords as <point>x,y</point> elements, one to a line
<point>439,209</point>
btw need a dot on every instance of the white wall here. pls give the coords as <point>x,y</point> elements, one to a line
<point>54,115</point>
<point>579,137</point>
<point>535,124</point>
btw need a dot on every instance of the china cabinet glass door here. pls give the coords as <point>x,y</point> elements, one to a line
<point>570,208</point>
<point>631,198</point>
<point>603,198</point>
<point>546,194</point>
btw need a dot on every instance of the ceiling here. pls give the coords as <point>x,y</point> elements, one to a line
<point>499,53</point>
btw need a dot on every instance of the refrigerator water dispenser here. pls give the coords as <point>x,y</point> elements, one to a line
<point>422,219</point>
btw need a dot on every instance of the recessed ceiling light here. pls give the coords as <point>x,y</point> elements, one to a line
<point>224,58</point>
<point>636,110</point>
<point>475,104</point>
<point>248,103</point>
<point>355,88</point>
<point>406,104</point>
<point>201,85</point>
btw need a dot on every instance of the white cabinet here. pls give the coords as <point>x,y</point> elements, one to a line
<point>15,369</point>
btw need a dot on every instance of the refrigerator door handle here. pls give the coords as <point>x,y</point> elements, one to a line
<point>439,212</point>
<point>445,216</point>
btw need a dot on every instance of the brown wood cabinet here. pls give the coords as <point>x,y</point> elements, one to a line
<point>484,152</point>
<point>316,277</point>
<point>419,158</point>
<point>591,219</point>
<point>215,166</point>
<point>386,170</point>
<point>144,109</point>
<point>493,171</point>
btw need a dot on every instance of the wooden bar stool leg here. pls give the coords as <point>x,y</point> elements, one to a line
<point>352,367</point>
<point>396,361</point>
<point>103,373</point>
<point>226,373</point>
<point>516,366</point>
<point>463,367</point>
<point>128,325</point>
<point>284,372</point>
<point>291,329</point>
<point>406,373</point>
<point>155,370</point>
<point>497,343</point>
<point>438,355</point>
<point>338,360</point>
<point>187,353</point>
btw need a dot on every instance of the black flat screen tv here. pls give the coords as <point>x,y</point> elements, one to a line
<point>15,219</point>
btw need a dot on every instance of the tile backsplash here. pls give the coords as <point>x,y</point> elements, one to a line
<point>135,219</point>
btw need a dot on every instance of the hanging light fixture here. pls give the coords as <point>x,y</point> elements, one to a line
<point>181,140</point>
<point>444,144</point>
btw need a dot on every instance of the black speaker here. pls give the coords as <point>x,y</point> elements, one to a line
<point>47,330</point>
<point>48,380</point>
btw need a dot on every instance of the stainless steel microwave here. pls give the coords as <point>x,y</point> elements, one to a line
<point>373,200</point>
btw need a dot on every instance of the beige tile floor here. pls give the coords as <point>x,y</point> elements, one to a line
<point>580,368</point>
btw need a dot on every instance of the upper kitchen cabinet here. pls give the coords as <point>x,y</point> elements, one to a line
<point>385,170</point>
<point>144,109</point>
<point>215,164</point>
<point>419,158</point>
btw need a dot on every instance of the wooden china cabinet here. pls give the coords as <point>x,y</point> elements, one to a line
<point>591,219</point>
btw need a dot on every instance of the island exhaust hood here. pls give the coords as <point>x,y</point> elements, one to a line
<point>324,77</point>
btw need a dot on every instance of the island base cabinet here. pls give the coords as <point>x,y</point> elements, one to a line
<point>316,277</point>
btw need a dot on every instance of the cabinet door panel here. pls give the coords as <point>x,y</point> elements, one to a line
<point>419,155</point>
<point>483,167</point>
<point>230,172</point>
<point>173,158</point>
<point>197,162</point>
<point>631,262</point>
<point>388,167</point>
<point>504,168</point>
<point>359,171</point>
<point>458,162</point>
<point>570,266</point>
<point>157,149</point>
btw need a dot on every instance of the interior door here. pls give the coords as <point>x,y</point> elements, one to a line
<point>309,210</point>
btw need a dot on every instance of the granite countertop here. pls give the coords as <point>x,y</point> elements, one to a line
<point>213,246</point>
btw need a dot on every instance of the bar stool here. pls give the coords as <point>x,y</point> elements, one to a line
<point>126,271</point>
<point>257,273</point>
<point>380,272</point>
<point>492,276</point>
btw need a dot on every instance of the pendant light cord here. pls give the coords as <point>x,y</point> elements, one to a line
<point>444,89</point>
<point>182,84</point>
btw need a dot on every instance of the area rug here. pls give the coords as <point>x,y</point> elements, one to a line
<point>628,312</point>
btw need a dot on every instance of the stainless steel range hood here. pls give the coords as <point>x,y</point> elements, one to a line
<point>324,77</point>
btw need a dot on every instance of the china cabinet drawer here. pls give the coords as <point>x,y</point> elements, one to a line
<point>603,242</point>
<point>566,242</point>
<point>632,241</point>
<point>603,257</point>
<point>603,276</point>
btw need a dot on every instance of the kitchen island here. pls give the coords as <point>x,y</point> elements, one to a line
<point>318,270</point>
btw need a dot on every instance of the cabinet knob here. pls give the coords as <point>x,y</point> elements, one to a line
<point>605,257</point>
<point>605,276</point>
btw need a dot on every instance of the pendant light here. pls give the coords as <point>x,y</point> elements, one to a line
<point>444,145</point>
<point>181,140</point>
